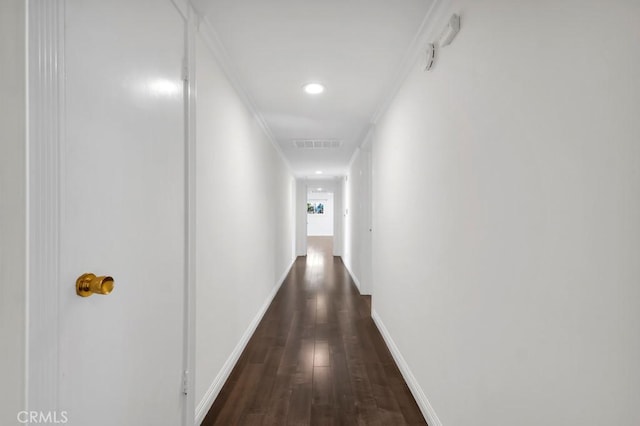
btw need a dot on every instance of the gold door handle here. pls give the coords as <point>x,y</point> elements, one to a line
<point>88,284</point>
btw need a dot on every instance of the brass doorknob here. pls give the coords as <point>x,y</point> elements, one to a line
<point>88,284</point>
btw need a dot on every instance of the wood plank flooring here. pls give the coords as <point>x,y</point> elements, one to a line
<point>316,358</point>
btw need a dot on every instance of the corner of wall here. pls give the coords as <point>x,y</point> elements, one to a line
<point>353,276</point>
<point>214,389</point>
<point>218,50</point>
<point>416,390</point>
<point>301,217</point>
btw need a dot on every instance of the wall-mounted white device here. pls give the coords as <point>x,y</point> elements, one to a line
<point>453,26</point>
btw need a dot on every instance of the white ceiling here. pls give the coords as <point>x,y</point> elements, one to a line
<point>354,47</point>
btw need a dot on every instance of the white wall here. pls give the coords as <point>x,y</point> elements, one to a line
<point>320,224</point>
<point>506,217</point>
<point>12,209</point>
<point>301,217</point>
<point>338,217</point>
<point>357,219</point>
<point>244,225</point>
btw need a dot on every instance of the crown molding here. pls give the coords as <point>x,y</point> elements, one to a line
<point>183,7</point>
<point>429,30</point>
<point>364,146</point>
<point>46,78</point>
<point>212,41</point>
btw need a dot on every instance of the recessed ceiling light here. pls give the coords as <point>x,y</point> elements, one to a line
<point>319,189</point>
<point>313,88</point>
<point>318,172</point>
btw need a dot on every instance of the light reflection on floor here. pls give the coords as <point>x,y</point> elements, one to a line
<point>318,272</point>
<point>319,253</point>
<point>319,250</point>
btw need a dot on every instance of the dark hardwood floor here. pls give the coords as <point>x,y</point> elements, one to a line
<point>316,358</point>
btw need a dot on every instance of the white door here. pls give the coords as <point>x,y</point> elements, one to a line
<point>123,214</point>
<point>366,225</point>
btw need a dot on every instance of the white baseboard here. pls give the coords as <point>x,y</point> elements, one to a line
<point>353,276</point>
<point>426,408</point>
<point>212,393</point>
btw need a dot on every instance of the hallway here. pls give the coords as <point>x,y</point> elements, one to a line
<point>316,357</point>
<point>477,163</point>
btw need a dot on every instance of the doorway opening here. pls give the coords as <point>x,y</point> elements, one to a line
<point>320,217</point>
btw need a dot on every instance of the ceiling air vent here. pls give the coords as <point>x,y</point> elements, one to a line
<point>317,143</point>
